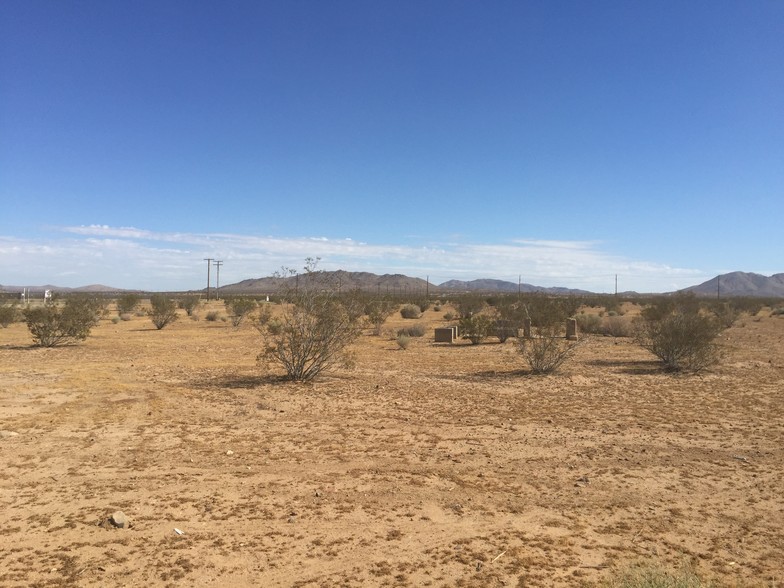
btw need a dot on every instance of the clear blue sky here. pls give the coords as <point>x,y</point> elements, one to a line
<point>561,141</point>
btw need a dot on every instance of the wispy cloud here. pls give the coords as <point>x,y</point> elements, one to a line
<point>129,257</point>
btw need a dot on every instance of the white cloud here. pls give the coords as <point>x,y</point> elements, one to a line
<point>128,257</point>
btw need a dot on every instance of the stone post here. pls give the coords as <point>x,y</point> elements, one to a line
<point>571,329</point>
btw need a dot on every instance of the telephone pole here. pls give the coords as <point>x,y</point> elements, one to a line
<point>209,260</point>
<point>217,265</point>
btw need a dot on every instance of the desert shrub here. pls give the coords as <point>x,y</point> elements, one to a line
<point>378,311</point>
<point>53,324</point>
<point>212,316</point>
<point>680,336</point>
<point>725,312</point>
<point>510,315</point>
<point>547,350</point>
<point>8,314</point>
<point>403,341</point>
<point>617,326</point>
<point>469,304</point>
<point>239,308</point>
<point>476,328</point>
<point>650,575</point>
<point>548,311</point>
<point>590,323</point>
<point>189,303</point>
<point>126,316</point>
<point>316,326</point>
<point>410,311</point>
<point>417,330</point>
<point>128,302</point>
<point>116,320</point>
<point>449,316</point>
<point>163,310</point>
<point>423,303</point>
<point>777,311</point>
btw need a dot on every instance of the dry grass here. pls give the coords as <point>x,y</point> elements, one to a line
<point>438,466</point>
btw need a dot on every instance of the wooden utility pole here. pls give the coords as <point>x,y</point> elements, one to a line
<point>209,260</point>
<point>217,265</point>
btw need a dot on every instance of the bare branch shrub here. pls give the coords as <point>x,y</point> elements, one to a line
<point>547,350</point>
<point>315,328</point>
<point>163,310</point>
<point>190,303</point>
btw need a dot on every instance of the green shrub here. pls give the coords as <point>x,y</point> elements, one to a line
<point>403,341</point>
<point>127,302</point>
<point>590,323</point>
<point>189,303</point>
<point>449,316</point>
<point>378,311</point>
<point>679,335</point>
<point>239,309</point>
<point>476,328</point>
<point>116,320</point>
<point>410,311</point>
<point>52,324</point>
<point>315,328</point>
<point>8,314</point>
<point>777,311</point>
<point>163,310</point>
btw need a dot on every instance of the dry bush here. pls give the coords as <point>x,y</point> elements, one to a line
<point>212,316</point>
<point>417,330</point>
<point>127,303</point>
<point>378,311</point>
<point>652,575</point>
<point>590,323</point>
<point>403,341</point>
<point>618,326</point>
<point>410,311</point>
<point>547,350</point>
<point>190,303</point>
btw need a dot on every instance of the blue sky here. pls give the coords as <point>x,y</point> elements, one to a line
<point>563,142</point>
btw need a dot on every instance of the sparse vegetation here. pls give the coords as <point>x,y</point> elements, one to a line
<point>54,324</point>
<point>649,575</point>
<point>590,323</point>
<point>212,316</point>
<point>163,310</point>
<point>314,329</point>
<point>403,341</point>
<point>417,330</point>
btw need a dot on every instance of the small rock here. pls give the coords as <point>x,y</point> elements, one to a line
<point>229,452</point>
<point>119,520</point>
<point>6,434</point>
<point>318,494</point>
<point>292,519</point>
<point>583,479</point>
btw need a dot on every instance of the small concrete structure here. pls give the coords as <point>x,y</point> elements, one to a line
<point>571,329</point>
<point>445,334</point>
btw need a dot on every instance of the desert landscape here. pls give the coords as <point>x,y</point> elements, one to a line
<point>437,465</point>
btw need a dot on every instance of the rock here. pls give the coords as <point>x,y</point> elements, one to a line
<point>119,520</point>
<point>229,452</point>
<point>7,434</point>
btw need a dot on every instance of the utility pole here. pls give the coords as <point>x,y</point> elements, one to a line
<point>209,260</point>
<point>217,265</point>
<point>718,287</point>
<point>519,284</point>
<point>427,288</point>
<point>616,285</point>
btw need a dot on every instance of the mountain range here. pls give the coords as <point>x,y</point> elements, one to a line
<point>725,285</point>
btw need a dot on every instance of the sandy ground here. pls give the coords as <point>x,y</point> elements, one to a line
<point>437,465</point>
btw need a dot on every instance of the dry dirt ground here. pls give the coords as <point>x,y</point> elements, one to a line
<point>437,465</point>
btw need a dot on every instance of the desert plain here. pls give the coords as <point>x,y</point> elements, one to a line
<point>437,465</point>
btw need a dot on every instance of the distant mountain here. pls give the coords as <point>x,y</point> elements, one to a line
<point>503,286</point>
<point>387,283</point>
<point>340,279</point>
<point>741,284</point>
